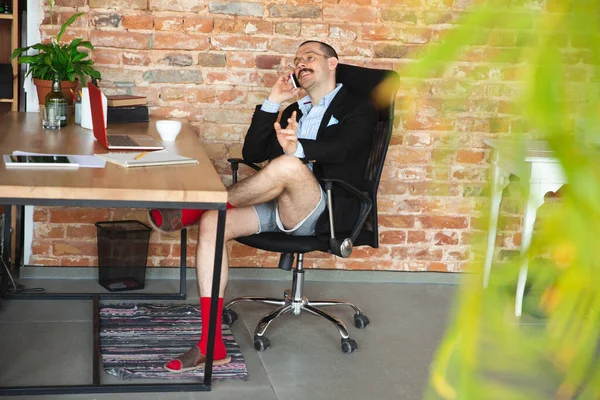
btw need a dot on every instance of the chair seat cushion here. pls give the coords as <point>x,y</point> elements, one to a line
<point>284,243</point>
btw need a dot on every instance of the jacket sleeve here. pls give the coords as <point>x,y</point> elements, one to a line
<point>338,143</point>
<point>261,140</point>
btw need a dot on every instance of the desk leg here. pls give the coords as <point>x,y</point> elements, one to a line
<point>499,183</point>
<point>6,247</point>
<point>212,324</point>
<point>534,200</point>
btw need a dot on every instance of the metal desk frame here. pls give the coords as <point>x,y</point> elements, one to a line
<point>96,386</point>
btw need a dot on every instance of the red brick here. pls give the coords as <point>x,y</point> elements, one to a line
<point>433,189</point>
<point>367,252</point>
<point>74,248</point>
<point>240,59</point>
<point>107,57</point>
<point>238,42</point>
<point>438,267</point>
<point>350,14</point>
<point>314,30</point>
<point>198,24</point>
<point>417,237</point>
<point>159,249</point>
<point>268,62</point>
<point>50,231</point>
<point>171,24</point>
<point>82,231</point>
<point>142,22</point>
<point>40,214</point>
<point>392,237</point>
<point>38,259</point>
<point>120,40</point>
<point>443,222</point>
<point>180,41</point>
<point>42,247</point>
<point>470,156</point>
<point>442,238</point>
<point>397,221</point>
<point>234,96</point>
<point>427,253</point>
<point>78,215</point>
<point>239,250</point>
<point>135,58</point>
<point>121,214</point>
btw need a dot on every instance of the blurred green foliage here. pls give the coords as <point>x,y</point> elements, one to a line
<point>488,353</point>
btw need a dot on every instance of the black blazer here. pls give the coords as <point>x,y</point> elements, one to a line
<point>339,151</point>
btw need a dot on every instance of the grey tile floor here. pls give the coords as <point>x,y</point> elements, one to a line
<point>47,342</point>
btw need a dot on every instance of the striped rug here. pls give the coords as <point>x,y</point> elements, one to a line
<point>136,340</point>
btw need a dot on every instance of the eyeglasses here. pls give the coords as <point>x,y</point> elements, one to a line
<point>307,57</point>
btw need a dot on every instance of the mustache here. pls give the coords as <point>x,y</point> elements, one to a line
<point>305,70</point>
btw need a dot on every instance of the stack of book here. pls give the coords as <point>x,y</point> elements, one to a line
<point>124,108</point>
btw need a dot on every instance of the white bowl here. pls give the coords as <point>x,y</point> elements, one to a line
<point>168,130</point>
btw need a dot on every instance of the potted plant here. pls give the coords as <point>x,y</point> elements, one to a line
<point>52,57</point>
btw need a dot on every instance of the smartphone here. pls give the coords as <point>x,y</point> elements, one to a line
<point>45,161</point>
<point>294,80</point>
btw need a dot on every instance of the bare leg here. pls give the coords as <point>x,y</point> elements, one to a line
<point>240,222</point>
<point>285,178</point>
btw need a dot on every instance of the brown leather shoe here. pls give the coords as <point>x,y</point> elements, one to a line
<point>193,359</point>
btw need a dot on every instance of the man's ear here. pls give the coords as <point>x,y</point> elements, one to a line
<point>333,63</point>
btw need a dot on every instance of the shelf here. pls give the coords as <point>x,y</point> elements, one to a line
<point>7,16</point>
<point>6,100</point>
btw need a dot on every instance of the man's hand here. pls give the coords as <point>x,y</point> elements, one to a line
<point>283,90</point>
<point>288,137</point>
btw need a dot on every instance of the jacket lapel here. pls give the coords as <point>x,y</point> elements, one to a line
<point>333,109</point>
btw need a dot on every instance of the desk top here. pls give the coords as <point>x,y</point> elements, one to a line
<point>174,183</point>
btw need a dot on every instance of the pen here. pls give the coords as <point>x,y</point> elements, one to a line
<point>142,154</point>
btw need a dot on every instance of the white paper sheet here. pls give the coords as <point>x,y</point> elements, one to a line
<point>84,161</point>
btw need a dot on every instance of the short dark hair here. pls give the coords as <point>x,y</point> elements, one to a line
<point>325,48</point>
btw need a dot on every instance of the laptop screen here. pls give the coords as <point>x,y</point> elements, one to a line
<point>98,117</point>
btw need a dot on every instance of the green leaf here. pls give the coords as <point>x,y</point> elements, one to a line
<point>68,23</point>
<point>74,43</point>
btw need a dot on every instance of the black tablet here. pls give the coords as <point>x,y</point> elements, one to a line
<point>45,161</point>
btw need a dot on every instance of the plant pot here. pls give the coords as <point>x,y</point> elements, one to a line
<point>44,87</point>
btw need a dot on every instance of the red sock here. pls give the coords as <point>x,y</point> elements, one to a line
<point>188,216</point>
<point>220,351</point>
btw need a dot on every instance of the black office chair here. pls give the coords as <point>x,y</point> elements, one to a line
<point>380,86</point>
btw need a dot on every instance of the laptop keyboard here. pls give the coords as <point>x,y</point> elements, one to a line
<point>121,140</point>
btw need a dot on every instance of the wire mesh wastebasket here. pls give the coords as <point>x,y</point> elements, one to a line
<point>122,254</point>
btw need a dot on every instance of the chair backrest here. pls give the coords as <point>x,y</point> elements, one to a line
<point>380,86</point>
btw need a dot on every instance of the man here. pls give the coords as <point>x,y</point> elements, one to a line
<point>330,129</point>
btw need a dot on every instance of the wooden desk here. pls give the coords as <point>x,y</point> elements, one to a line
<point>189,186</point>
<point>542,173</point>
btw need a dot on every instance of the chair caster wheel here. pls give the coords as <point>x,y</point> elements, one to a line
<point>229,317</point>
<point>349,345</point>
<point>261,343</point>
<point>361,321</point>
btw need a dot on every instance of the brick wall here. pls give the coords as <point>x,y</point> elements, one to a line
<point>212,61</point>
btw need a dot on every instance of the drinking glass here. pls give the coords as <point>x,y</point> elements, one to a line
<point>50,119</point>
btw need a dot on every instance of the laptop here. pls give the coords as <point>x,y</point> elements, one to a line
<point>115,142</point>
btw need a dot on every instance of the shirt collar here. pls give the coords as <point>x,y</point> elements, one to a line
<point>305,103</point>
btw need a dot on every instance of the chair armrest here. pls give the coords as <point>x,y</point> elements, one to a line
<point>234,166</point>
<point>343,248</point>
